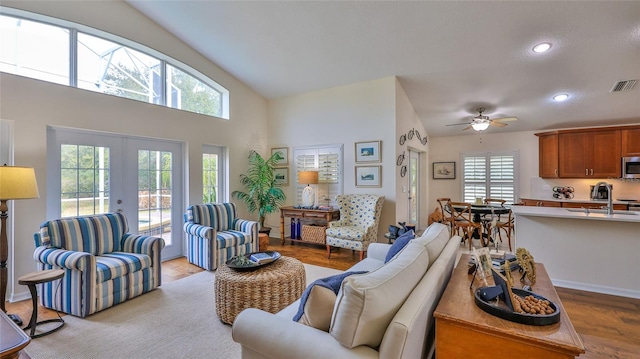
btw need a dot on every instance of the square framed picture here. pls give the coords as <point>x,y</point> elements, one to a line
<point>368,176</point>
<point>368,151</point>
<point>444,170</point>
<point>284,151</point>
<point>281,176</point>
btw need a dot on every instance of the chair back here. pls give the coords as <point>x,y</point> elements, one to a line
<point>460,211</point>
<point>494,200</point>
<point>96,234</point>
<point>360,210</point>
<point>220,216</point>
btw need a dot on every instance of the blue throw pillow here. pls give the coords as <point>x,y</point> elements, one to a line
<point>398,244</point>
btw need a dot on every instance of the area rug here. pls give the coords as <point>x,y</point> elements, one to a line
<point>177,320</point>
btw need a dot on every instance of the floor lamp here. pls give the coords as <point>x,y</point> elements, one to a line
<point>15,183</point>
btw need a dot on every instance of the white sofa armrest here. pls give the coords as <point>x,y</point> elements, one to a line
<point>378,251</point>
<point>277,337</point>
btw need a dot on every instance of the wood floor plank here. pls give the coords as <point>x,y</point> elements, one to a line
<point>609,325</point>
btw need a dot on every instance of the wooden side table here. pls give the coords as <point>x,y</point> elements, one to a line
<point>314,214</point>
<point>30,280</point>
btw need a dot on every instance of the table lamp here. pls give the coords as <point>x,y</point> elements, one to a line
<point>308,194</point>
<point>15,183</point>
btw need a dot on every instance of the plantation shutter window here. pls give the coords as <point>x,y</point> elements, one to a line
<point>489,175</point>
<point>327,160</point>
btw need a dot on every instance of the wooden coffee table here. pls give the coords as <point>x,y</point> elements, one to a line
<point>12,338</point>
<point>463,330</point>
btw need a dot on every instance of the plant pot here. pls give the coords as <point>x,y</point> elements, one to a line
<point>266,230</point>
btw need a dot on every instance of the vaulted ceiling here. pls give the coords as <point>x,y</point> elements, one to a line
<point>451,57</point>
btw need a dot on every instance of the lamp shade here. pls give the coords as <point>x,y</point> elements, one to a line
<point>308,177</point>
<point>18,183</point>
<point>480,126</point>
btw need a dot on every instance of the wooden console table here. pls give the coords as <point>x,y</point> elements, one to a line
<point>463,330</point>
<point>315,214</point>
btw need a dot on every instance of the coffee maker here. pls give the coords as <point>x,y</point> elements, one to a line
<point>600,194</point>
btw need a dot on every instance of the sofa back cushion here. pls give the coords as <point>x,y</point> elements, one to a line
<point>219,216</point>
<point>95,234</point>
<point>360,210</point>
<point>435,238</point>
<point>367,303</point>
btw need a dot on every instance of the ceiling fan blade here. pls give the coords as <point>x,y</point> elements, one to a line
<point>497,124</point>
<point>457,124</point>
<point>506,119</point>
<point>466,128</point>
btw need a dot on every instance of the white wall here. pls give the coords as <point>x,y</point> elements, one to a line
<point>343,115</point>
<point>33,105</point>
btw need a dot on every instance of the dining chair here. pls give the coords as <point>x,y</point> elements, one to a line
<point>462,218</point>
<point>447,219</point>
<point>501,224</point>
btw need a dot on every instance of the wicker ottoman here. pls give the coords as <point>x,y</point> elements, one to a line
<point>270,288</point>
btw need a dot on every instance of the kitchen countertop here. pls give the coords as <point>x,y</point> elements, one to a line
<point>581,200</point>
<point>559,212</point>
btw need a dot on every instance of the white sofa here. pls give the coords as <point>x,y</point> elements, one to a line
<point>386,323</point>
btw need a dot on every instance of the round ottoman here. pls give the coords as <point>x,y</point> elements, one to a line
<point>270,288</point>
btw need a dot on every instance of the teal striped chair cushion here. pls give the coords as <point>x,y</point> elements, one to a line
<point>220,216</point>
<point>118,264</point>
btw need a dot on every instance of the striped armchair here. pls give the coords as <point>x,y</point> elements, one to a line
<point>104,265</point>
<point>215,234</point>
<point>358,224</point>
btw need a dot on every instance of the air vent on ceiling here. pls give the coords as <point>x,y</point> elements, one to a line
<point>623,85</point>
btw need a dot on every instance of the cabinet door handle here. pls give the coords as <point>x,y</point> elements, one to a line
<point>555,171</point>
<point>592,171</point>
<point>586,171</point>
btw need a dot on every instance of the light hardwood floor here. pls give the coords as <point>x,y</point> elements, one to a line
<point>608,325</point>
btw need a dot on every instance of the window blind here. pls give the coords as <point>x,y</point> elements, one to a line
<point>489,175</point>
<point>327,160</point>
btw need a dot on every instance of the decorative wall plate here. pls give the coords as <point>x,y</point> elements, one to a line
<point>411,133</point>
<point>403,171</point>
<point>400,159</point>
<point>403,139</point>
<point>418,136</point>
<point>424,140</point>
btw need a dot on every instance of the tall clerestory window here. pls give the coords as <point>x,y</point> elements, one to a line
<point>65,53</point>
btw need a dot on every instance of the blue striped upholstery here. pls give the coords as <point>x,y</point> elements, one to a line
<point>215,234</point>
<point>103,264</point>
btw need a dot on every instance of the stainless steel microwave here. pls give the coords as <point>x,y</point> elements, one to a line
<point>630,167</point>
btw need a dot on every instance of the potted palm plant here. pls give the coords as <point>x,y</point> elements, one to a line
<point>261,193</point>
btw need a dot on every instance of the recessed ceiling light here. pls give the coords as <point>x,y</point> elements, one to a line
<point>543,47</point>
<point>561,97</point>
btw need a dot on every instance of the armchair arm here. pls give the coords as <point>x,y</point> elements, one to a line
<point>274,336</point>
<point>64,259</point>
<point>133,243</point>
<point>338,223</point>
<point>199,230</point>
<point>247,226</point>
<point>378,251</point>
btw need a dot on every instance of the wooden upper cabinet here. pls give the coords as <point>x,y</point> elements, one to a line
<point>592,154</point>
<point>631,142</point>
<point>548,155</point>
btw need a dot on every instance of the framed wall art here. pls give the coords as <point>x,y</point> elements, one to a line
<point>368,151</point>
<point>281,176</point>
<point>444,170</point>
<point>368,176</point>
<point>284,151</point>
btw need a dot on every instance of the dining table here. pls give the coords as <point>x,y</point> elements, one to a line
<point>482,213</point>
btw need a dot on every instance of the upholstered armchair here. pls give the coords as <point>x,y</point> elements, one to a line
<point>104,265</point>
<point>358,224</point>
<point>215,234</point>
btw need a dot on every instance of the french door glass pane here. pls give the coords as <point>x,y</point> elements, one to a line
<point>84,179</point>
<point>209,177</point>
<point>154,194</point>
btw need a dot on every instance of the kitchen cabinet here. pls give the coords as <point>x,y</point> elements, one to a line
<point>591,154</point>
<point>631,142</point>
<point>548,155</point>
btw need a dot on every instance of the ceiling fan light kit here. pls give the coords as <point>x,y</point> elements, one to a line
<point>480,126</point>
<point>482,122</point>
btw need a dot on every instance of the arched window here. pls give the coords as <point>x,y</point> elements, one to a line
<point>58,51</point>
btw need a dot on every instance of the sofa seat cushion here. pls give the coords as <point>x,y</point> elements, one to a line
<point>367,303</point>
<point>118,264</point>
<point>352,233</point>
<point>231,238</point>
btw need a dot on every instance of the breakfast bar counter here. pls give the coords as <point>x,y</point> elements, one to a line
<point>587,251</point>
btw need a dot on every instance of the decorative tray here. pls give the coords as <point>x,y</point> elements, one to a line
<point>253,261</point>
<point>504,312</point>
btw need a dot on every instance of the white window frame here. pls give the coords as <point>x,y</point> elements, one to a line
<point>488,183</point>
<point>74,28</point>
<point>221,196</point>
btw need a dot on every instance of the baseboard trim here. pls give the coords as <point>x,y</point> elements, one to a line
<point>596,288</point>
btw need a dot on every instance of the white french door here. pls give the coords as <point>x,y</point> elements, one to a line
<point>96,173</point>
<point>414,188</point>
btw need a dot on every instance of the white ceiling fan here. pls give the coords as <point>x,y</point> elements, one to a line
<point>482,122</point>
